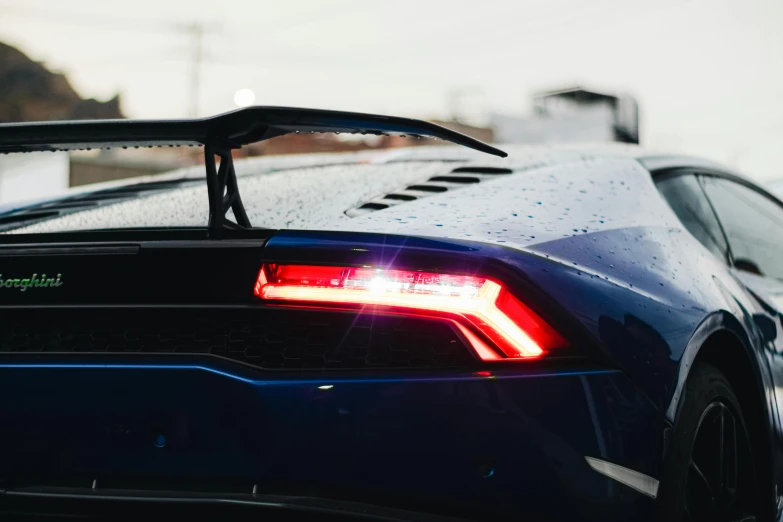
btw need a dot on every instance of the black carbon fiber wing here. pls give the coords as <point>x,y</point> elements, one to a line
<point>219,135</point>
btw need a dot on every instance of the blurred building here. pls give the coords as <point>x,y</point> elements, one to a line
<point>32,176</point>
<point>571,115</point>
<point>117,163</point>
<point>328,142</point>
<point>486,134</point>
<point>302,143</point>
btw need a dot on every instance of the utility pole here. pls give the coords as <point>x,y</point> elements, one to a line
<point>455,104</point>
<point>196,33</point>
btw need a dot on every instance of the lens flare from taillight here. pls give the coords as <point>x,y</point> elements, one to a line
<point>479,303</point>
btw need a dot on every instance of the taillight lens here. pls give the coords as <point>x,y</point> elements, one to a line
<point>480,304</point>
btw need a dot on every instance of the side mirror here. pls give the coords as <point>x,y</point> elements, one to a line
<point>767,327</point>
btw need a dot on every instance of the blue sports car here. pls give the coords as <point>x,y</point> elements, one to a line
<point>431,333</point>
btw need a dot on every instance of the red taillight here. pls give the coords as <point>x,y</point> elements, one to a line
<point>481,303</point>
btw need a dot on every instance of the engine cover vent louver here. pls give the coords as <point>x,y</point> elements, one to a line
<point>401,197</point>
<point>455,179</point>
<point>428,187</point>
<point>482,170</point>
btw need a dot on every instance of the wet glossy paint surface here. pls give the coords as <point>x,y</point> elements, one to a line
<point>584,238</point>
<point>463,444</point>
<point>551,192</point>
<point>642,294</point>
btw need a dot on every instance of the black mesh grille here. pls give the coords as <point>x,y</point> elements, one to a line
<point>283,339</point>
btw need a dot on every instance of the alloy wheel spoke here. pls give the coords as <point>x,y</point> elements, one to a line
<point>700,491</point>
<point>730,457</point>
<point>721,446</point>
<point>714,491</point>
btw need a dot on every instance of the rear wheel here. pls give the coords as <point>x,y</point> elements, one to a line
<point>709,472</point>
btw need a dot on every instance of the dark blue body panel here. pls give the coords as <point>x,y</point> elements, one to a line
<point>648,297</point>
<point>463,444</point>
<point>635,302</point>
<point>640,293</point>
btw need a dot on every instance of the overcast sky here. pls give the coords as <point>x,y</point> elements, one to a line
<point>708,73</point>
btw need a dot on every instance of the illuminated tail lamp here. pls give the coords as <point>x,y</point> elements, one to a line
<point>478,304</point>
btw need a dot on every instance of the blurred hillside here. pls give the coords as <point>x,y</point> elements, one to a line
<point>30,92</point>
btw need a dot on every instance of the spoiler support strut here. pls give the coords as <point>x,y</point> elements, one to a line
<point>223,190</point>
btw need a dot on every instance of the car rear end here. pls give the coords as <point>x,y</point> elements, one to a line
<point>366,364</point>
<point>427,375</point>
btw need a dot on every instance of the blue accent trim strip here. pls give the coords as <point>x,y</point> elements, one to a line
<point>315,382</point>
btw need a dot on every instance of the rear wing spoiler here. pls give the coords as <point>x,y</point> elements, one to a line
<point>219,135</point>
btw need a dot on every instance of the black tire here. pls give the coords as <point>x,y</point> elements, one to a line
<point>699,481</point>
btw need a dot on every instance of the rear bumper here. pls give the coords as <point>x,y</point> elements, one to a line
<point>508,445</point>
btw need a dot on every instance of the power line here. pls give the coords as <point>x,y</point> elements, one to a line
<point>90,21</point>
<point>110,22</point>
<point>194,32</point>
